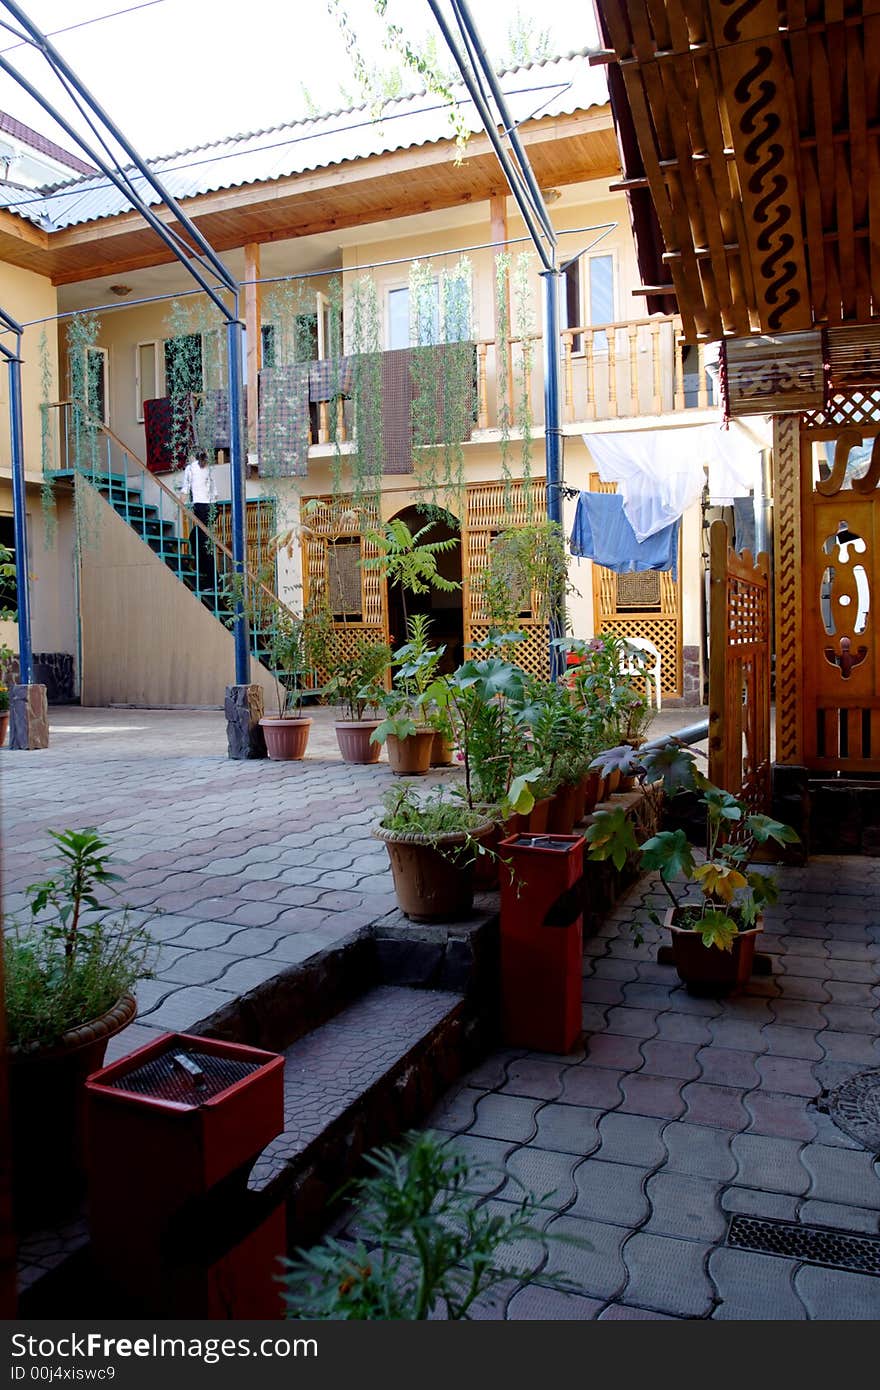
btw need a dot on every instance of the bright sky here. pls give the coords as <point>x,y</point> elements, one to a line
<point>176,73</point>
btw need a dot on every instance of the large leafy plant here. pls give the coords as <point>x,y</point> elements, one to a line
<point>732,892</point>
<point>408,560</point>
<point>357,683</point>
<point>427,1246</point>
<point>76,958</point>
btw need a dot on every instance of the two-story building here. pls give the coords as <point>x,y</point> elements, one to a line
<point>368,255</point>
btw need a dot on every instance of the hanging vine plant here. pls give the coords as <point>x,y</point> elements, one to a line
<point>527,566</point>
<point>48,436</point>
<point>366,460</point>
<point>524,321</point>
<point>196,378</point>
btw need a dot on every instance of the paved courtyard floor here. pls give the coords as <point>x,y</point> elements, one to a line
<point>674,1115</point>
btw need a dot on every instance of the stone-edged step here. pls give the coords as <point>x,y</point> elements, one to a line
<point>360,1079</point>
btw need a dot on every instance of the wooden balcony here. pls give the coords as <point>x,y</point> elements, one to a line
<point>611,371</point>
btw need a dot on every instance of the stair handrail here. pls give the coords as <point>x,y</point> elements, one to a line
<point>181,505</point>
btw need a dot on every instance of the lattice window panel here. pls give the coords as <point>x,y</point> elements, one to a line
<point>341,518</point>
<point>490,508</point>
<point>533,655</point>
<point>663,632</point>
<point>845,408</point>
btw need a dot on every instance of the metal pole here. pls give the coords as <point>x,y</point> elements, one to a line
<point>553,447</point>
<point>237,493</point>
<point>19,508</point>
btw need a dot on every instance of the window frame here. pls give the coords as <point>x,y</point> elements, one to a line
<point>138,388</point>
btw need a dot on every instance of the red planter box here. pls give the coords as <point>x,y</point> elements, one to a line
<point>173,1225</point>
<point>541,941</point>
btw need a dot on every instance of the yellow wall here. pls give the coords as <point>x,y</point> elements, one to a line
<point>26,296</point>
<point>52,571</point>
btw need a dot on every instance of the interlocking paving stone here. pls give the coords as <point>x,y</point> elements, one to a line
<point>596,1265</point>
<point>597,1087</point>
<point>850,992</point>
<point>523,1256</point>
<point>642,994</point>
<point>457,1110</point>
<point>684,1205</point>
<point>775,1206</point>
<point>787,1075</point>
<point>622,1312</point>
<point>862,1219</point>
<point>615,1051</point>
<point>699,1150</point>
<point>784,1116</point>
<point>652,1095</point>
<point>770,1163</point>
<point>610,1192</point>
<point>686,1028</point>
<point>827,1131</point>
<point>848,1047</point>
<point>836,1295</point>
<point>849,1018</point>
<point>505,1117</point>
<point>784,1040</point>
<point>244,975</point>
<point>715,1105</point>
<point>181,1010</point>
<point>741,1034</point>
<point>544,1173</point>
<point>194,968</point>
<point>598,991</point>
<point>725,1066</point>
<point>538,1304</point>
<point>663,1058</point>
<point>487,1157</point>
<point>802,987</point>
<point>842,1175</point>
<point>634,1139</point>
<point>530,1076</point>
<point>754,1288</point>
<point>571,1129</point>
<point>799,1013</point>
<point>637,1023</point>
<point>668,1274</point>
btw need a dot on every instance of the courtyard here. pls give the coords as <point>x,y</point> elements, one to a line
<point>674,1116</point>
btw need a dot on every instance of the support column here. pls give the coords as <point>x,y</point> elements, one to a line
<point>788,584</point>
<point>28,717</point>
<point>244,709</point>
<point>237,495</point>
<point>253,318</point>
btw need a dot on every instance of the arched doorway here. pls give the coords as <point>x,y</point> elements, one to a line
<point>444,609</point>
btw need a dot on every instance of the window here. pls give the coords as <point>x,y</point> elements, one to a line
<point>589,297</point>
<point>8,592</point>
<point>300,343</point>
<point>97,396</point>
<point>183,364</point>
<point>398,318</point>
<point>146,376</point>
<point>449,323</point>
<point>344,575</point>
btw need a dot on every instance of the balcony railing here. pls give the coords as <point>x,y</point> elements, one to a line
<point>610,371</point>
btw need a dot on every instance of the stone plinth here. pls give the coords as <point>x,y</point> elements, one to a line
<point>28,717</point>
<point>244,710</point>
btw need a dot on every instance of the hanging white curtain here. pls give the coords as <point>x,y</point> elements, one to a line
<point>660,473</point>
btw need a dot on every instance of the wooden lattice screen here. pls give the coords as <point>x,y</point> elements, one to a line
<point>259,530</point>
<point>337,519</point>
<point>739,671</point>
<point>660,619</point>
<point>494,507</point>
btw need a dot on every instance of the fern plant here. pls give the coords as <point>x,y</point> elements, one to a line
<point>409,561</point>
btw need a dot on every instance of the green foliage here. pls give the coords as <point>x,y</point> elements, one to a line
<point>47,443</point>
<point>526,43</point>
<point>439,813</point>
<point>410,561</point>
<point>733,895</point>
<point>74,961</point>
<point>527,566</point>
<point>357,682</point>
<point>427,1246</point>
<point>364,332</point>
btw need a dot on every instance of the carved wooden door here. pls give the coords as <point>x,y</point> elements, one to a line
<point>841,574</point>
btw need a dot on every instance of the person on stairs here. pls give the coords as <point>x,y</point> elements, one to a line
<point>197,485</point>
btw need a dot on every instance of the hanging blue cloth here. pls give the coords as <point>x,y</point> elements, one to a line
<point>602,533</point>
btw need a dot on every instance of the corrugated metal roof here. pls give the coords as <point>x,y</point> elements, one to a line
<point>16,128</point>
<point>555,87</point>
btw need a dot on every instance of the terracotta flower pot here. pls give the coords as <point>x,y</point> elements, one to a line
<point>47,1101</point>
<point>286,739</point>
<point>410,756</point>
<point>592,786</point>
<point>442,750</point>
<point>4,726</point>
<point>613,781</point>
<point>433,875</point>
<point>707,969</point>
<point>565,809</point>
<point>353,737</point>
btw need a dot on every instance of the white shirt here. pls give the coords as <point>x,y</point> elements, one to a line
<point>198,482</point>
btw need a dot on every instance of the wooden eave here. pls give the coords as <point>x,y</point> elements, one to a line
<point>563,150</point>
<point>750,139</point>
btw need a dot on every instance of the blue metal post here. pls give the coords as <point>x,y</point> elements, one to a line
<point>553,445</point>
<point>237,492</point>
<point>19,508</point>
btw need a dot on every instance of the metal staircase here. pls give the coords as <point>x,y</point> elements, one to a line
<point>164,522</point>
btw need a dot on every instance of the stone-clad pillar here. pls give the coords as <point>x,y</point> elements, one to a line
<point>244,710</point>
<point>28,717</point>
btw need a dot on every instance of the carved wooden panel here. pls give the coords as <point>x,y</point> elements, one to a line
<point>787,569</point>
<point>490,508</point>
<point>739,671</point>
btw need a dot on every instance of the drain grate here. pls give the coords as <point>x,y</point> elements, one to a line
<point>855,1108</point>
<point>816,1245</point>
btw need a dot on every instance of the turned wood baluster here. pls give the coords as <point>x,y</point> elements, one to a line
<point>482,387</point>
<point>567,341</point>
<point>591,375</point>
<point>655,363</point>
<point>633,335</point>
<point>611,339</point>
<point>678,354</point>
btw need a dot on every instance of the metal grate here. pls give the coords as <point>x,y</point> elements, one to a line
<point>817,1245</point>
<point>197,1077</point>
<point>855,1108</point>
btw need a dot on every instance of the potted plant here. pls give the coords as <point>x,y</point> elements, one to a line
<point>69,976</point>
<point>357,685</point>
<point>714,928</point>
<point>4,711</point>
<point>558,731</point>
<point>406,731</point>
<point>432,845</point>
<point>287,734</point>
